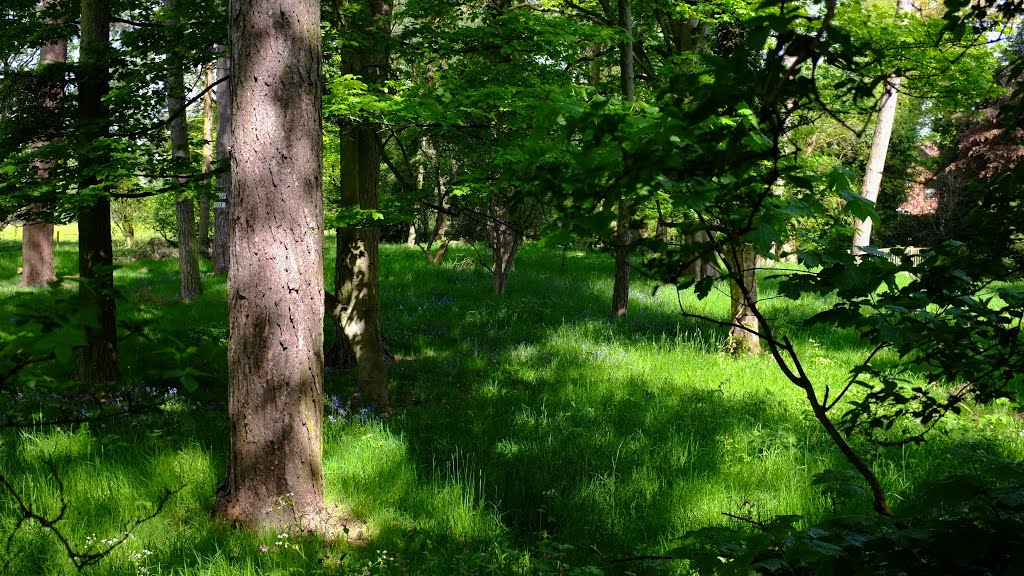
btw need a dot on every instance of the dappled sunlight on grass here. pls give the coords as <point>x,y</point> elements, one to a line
<point>523,423</point>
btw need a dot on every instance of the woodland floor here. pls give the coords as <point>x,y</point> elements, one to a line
<point>531,433</point>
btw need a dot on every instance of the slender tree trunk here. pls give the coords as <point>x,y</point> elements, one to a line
<point>222,208</point>
<point>700,267</point>
<point>98,359</point>
<point>742,264</point>
<point>190,285</point>
<point>356,272</point>
<point>37,266</point>
<point>356,268</point>
<point>661,231</point>
<point>504,242</point>
<point>410,238</point>
<point>620,289</point>
<point>623,238</point>
<point>421,176</point>
<point>204,200</point>
<point>872,183</point>
<point>275,286</point>
<point>440,236</point>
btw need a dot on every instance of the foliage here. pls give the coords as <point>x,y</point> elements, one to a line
<point>974,528</point>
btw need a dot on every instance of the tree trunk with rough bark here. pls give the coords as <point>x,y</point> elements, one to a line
<point>222,208</point>
<point>275,286</point>
<point>190,285</point>
<point>37,265</point>
<point>356,269</point>
<point>204,200</point>
<point>97,360</point>
<point>742,264</point>
<point>872,183</point>
<point>356,273</point>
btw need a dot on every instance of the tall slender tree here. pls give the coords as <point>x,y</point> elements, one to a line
<point>98,359</point>
<point>204,200</point>
<point>620,289</point>
<point>37,235</point>
<point>356,279</point>
<point>872,182</point>
<point>222,207</point>
<point>190,285</point>
<point>275,286</point>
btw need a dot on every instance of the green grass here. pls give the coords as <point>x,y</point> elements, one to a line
<point>531,433</point>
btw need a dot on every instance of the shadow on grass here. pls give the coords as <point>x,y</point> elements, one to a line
<point>524,421</point>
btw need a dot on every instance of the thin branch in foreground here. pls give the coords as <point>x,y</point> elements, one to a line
<point>80,559</point>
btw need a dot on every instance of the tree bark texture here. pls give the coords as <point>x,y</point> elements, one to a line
<point>742,264</point>
<point>275,286</point>
<point>356,272</point>
<point>190,285</point>
<point>37,266</point>
<point>222,208</point>
<point>204,200</point>
<point>98,359</point>
<point>356,276</point>
<point>872,183</point>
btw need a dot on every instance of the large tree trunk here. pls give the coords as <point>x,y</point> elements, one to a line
<point>872,183</point>
<point>275,287</point>
<point>742,264</point>
<point>37,267</point>
<point>98,359</point>
<point>623,238</point>
<point>204,200</point>
<point>221,208</point>
<point>190,285</point>
<point>356,269</point>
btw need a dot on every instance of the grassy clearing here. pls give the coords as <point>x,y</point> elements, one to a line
<point>532,433</point>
